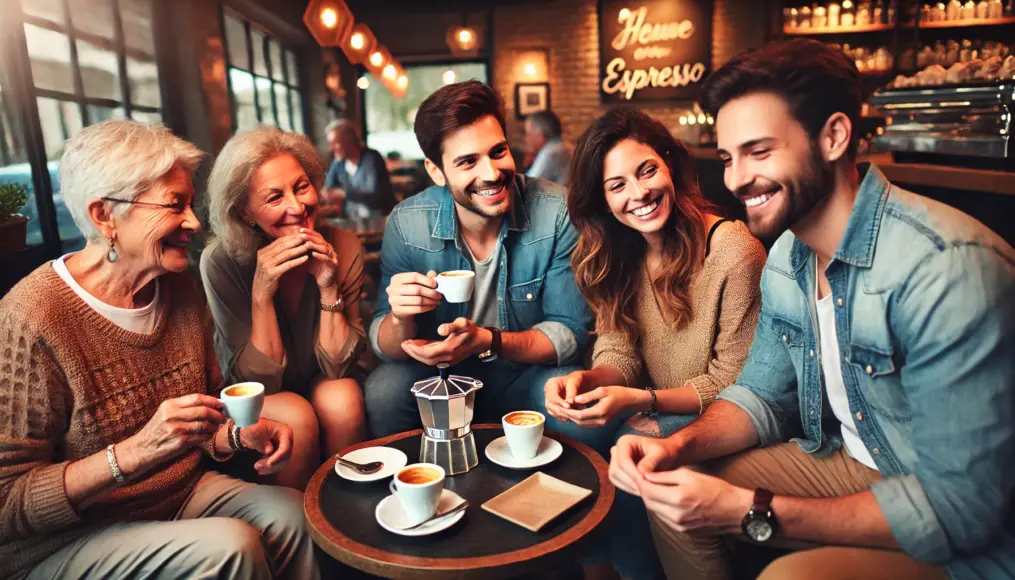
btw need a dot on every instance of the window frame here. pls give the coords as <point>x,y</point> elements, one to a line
<point>285,49</point>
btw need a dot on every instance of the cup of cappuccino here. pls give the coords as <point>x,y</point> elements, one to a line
<point>418,487</point>
<point>243,402</point>
<point>456,285</point>
<point>524,431</point>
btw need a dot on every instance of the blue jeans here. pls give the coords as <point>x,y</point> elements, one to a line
<point>632,548</point>
<point>391,406</point>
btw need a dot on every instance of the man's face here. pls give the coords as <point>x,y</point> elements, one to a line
<point>342,143</point>
<point>772,166</point>
<point>478,168</point>
<point>534,138</point>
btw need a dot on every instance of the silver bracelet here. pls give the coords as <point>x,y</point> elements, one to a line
<point>114,466</point>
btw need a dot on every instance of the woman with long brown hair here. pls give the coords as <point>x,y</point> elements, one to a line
<point>674,286</point>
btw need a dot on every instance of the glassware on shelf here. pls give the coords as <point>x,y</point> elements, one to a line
<point>969,10</point>
<point>863,14</point>
<point>805,17</point>
<point>819,17</point>
<point>996,9</point>
<point>878,15</point>
<point>954,10</point>
<point>846,16</point>
<point>982,7</point>
<point>833,14</point>
<point>893,12</point>
<point>794,18</point>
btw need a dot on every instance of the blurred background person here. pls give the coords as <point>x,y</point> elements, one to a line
<point>551,156</point>
<point>358,176</point>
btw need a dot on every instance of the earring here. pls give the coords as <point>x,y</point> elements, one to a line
<point>252,224</point>
<point>112,256</point>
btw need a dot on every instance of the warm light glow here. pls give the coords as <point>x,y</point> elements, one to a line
<point>363,83</point>
<point>377,59</point>
<point>390,72</point>
<point>691,119</point>
<point>357,41</point>
<point>465,36</point>
<point>329,18</point>
<point>530,70</point>
<point>448,77</point>
<point>701,118</point>
<point>710,120</point>
<point>683,120</point>
<point>624,13</point>
<point>403,81</point>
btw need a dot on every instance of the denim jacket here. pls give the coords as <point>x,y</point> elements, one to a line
<point>536,288</point>
<point>925,319</point>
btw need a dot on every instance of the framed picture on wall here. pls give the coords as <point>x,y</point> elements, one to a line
<point>531,97</point>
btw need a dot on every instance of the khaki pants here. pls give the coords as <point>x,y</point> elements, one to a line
<point>786,470</point>
<point>227,528</point>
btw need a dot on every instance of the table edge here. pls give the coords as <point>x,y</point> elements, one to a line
<point>354,553</point>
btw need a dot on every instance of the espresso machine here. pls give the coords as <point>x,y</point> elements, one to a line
<point>445,406</point>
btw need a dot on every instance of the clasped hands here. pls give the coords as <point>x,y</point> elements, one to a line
<point>412,293</point>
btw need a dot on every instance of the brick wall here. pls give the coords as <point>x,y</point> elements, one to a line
<point>568,31</point>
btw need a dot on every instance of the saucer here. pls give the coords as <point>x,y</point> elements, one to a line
<point>499,452</point>
<point>393,461</point>
<point>391,515</point>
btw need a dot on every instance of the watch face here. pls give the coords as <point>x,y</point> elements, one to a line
<point>758,530</point>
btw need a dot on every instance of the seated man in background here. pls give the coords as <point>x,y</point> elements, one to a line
<point>884,348</point>
<point>526,321</point>
<point>551,156</point>
<point>358,175</point>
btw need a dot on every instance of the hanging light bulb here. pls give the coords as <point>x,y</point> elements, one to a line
<point>462,39</point>
<point>701,118</point>
<point>357,41</point>
<point>465,36</point>
<point>448,77</point>
<point>403,82</point>
<point>363,83</point>
<point>329,18</point>
<point>390,72</point>
<point>683,120</point>
<point>377,59</point>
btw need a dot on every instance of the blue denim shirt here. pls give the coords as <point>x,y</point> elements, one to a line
<point>925,319</point>
<point>536,288</point>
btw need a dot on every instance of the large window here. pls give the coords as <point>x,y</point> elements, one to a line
<point>389,119</point>
<point>91,60</point>
<point>263,79</point>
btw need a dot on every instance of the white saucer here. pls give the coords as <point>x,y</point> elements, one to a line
<point>391,515</point>
<point>393,461</point>
<point>499,452</point>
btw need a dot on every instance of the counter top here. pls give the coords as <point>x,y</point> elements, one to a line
<point>960,178</point>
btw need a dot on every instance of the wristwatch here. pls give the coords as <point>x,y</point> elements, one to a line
<point>759,524</point>
<point>494,352</point>
<point>338,306</point>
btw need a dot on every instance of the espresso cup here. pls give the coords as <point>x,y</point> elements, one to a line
<point>243,402</point>
<point>418,487</point>
<point>524,431</point>
<point>456,285</point>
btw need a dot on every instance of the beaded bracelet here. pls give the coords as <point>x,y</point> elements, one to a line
<point>114,467</point>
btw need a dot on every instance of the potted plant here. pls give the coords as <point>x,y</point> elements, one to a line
<point>13,226</point>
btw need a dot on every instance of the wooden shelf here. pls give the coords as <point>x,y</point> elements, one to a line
<point>967,23</point>
<point>836,29</point>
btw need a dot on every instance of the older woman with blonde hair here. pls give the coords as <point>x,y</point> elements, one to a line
<point>285,300</point>
<point>108,393</point>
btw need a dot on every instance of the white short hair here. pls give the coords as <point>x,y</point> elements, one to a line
<point>230,179</point>
<point>344,126</point>
<point>120,159</point>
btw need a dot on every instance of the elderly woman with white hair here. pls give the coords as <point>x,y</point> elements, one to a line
<point>108,385</point>
<point>285,300</point>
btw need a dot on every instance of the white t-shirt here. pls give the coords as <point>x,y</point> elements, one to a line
<point>834,385</point>
<point>350,167</point>
<point>140,320</point>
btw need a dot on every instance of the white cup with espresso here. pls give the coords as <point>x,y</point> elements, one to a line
<point>243,402</point>
<point>524,432</point>
<point>418,487</point>
<point>456,285</point>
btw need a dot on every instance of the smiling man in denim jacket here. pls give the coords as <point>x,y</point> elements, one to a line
<point>880,386</point>
<point>526,322</point>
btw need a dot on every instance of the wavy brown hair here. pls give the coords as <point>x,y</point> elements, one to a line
<point>608,256</point>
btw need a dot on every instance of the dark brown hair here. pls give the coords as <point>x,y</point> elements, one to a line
<point>816,80</point>
<point>450,108</point>
<point>609,254</point>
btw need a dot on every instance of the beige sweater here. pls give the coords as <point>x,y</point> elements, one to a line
<point>709,351</point>
<point>71,383</point>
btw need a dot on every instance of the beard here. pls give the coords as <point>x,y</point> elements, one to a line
<point>464,196</point>
<point>801,193</point>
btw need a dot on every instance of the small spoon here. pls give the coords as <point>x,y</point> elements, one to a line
<point>434,517</point>
<point>361,468</point>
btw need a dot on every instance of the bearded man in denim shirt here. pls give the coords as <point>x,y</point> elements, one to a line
<point>526,321</point>
<point>880,386</point>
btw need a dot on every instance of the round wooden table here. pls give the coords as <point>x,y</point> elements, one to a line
<point>341,517</point>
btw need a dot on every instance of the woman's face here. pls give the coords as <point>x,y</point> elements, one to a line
<point>156,238</point>
<point>638,186</point>
<point>282,200</point>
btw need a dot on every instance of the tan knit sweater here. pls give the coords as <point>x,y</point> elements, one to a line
<point>709,351</point>
<point>71,383</point>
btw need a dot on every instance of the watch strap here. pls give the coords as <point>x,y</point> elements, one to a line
<point>762,500</point>
<point>495,345</point>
